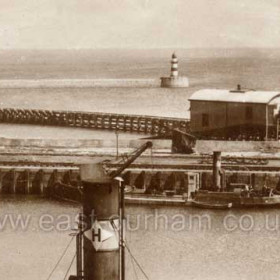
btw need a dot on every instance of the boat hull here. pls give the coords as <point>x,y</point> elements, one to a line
<point>223,198</point>
<point>217,206</point>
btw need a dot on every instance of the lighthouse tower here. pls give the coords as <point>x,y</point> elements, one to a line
<point>174,80</point>
<point>174,66</point>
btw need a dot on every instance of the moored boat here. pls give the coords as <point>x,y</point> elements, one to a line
<point>222,206</point>
<point>210,199</point>
<point>235,194</point>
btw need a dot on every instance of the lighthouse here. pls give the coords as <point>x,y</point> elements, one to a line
<point>174,80</point>
<point>174,65</point>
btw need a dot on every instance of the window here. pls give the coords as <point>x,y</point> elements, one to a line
<point>205,120</point>
<point>249,113</point>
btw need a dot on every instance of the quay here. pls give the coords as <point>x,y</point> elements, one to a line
<point>40,180</point>
<point>149,184</point>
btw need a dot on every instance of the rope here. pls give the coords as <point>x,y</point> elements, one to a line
<point>132,257</point>
<point>134,269</point>
<point>69,266</point>
<point>137,263</point>
<point>61,257</point>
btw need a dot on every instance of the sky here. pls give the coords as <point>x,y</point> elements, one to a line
<point>91,24</point>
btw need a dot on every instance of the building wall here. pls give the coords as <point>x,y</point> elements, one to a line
<point>215,110</point>
<point>237,114</point>
<point>222,115</point>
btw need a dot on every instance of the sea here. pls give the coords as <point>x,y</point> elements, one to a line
<point>167,242</point>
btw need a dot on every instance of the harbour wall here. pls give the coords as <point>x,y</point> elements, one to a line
<point>209,146</point>
<point>158,145</point>
<point>63,182</point>
<point>174,82</point>
<point>78,83</point>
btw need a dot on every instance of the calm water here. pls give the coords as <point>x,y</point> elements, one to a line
<point>169,245</point>
<point>193,253</point>
<point>253,69</point>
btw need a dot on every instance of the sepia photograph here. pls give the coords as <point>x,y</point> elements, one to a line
<point>139,139</point>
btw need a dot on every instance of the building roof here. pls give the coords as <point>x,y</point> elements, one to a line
<point>224,95</point>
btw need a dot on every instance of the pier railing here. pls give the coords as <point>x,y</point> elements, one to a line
<point>150,125</point>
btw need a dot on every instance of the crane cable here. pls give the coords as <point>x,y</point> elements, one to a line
<point>61,257</point>
<point>137,263</point>
<point>130,253</point>
<point>134,269</point>
<point>69,266</point>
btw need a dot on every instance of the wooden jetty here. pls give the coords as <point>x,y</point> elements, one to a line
<point>150,125</point>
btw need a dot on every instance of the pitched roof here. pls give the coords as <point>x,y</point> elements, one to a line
<point>224,95</point>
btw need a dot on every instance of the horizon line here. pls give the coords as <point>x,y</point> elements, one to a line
<point>131,48</point>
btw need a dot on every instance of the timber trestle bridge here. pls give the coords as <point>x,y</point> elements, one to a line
<point>150,125</point>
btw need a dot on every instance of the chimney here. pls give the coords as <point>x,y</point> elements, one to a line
<point>238,89</point>
<point>217,164</point>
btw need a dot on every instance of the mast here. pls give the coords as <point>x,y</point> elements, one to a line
<point>103,215</point>
<point>122,242</point>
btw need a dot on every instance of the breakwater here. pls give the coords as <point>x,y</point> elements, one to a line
<point>78,83</point>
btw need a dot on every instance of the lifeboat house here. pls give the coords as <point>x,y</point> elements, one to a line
<point>235,114</point>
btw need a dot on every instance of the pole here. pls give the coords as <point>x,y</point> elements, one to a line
<point>78,254</point>
<point>122,243</point>
<point>79,248</point>
<point>117,144</point>
<point>266,122</point>
<point>277,129</point>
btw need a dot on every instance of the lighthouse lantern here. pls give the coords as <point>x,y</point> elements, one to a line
<point>174,66</point>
